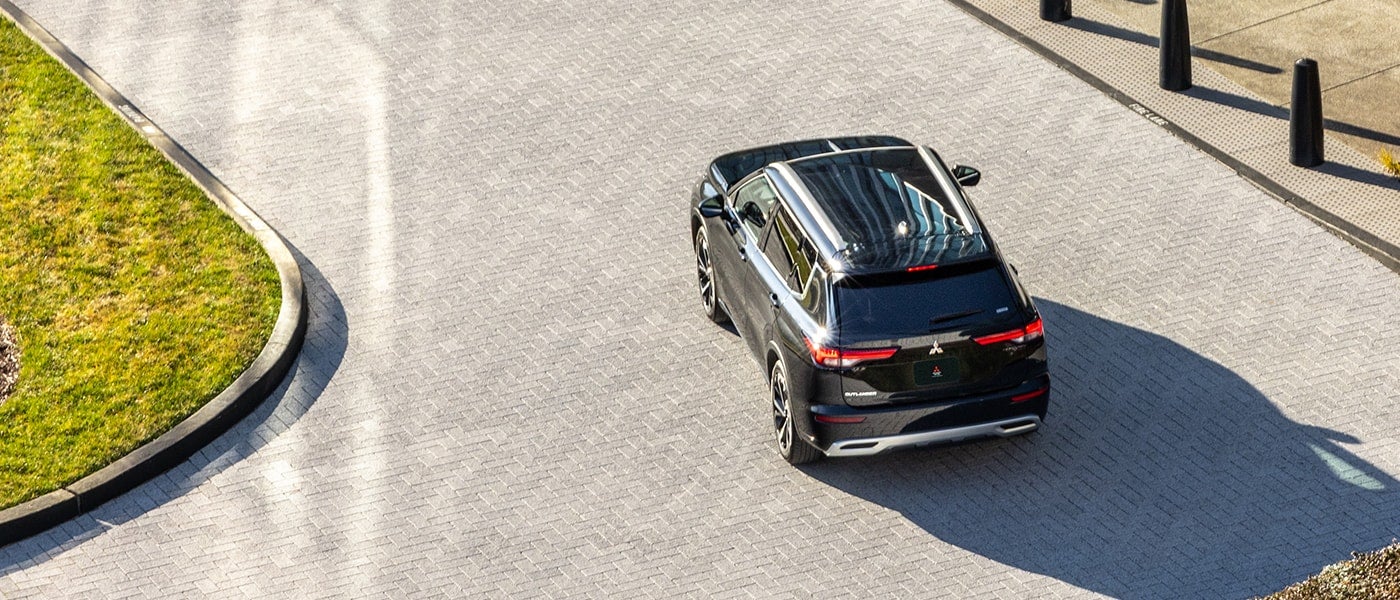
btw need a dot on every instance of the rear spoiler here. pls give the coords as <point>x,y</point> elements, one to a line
<point>916,254</point>
<point>889,274</point>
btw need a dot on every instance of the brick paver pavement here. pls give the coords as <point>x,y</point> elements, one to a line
<point>509,390</point>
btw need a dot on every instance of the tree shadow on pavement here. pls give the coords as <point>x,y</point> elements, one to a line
<point>1160,474</point>
<point>327,335</point>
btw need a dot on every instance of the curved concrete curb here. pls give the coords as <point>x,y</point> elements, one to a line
<point>1384,252</point>
<point>246,393</point>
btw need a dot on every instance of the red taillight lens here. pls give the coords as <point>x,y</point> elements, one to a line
<point>841,358</point>
<point>821,354</point>
<point>1020,335</point>
<point>1024,397</point>
<point>839,420</point>
<point>921,268</point>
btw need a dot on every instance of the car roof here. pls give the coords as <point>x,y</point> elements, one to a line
<point>882,209</point>
<point>730,168</point>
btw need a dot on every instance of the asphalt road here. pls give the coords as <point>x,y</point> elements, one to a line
<point>508,388</point>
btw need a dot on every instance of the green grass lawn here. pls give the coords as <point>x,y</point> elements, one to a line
<point>135,299</point>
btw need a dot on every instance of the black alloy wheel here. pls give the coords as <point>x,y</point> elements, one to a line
<point>793,450</point>
<point>705,273</point>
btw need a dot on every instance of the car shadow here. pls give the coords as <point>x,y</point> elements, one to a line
<point>1160,474</point>
<point>327,334</point>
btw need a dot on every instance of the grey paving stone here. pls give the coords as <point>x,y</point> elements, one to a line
<point>508,388</point>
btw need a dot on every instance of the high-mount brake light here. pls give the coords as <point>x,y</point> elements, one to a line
<point>844,358</point>
<point>921,268</point>
<point>1020,335</point>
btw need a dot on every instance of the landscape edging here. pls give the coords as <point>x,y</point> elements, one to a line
<point>234,403</point>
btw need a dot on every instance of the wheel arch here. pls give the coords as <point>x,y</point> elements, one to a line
<point>773,357</point>
<point>805,439</point>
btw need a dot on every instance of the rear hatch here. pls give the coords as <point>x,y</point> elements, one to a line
<point>935,319</point>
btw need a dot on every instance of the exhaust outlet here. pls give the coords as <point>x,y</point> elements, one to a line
<point>1018,428</point>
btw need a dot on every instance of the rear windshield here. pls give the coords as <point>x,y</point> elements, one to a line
<point>947,302</point>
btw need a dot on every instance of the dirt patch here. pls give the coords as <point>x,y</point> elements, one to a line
<point>9,359</point>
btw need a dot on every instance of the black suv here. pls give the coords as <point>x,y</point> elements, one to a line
<point>863,282</point>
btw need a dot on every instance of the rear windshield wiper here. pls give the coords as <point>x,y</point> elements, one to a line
<point>952,316</point>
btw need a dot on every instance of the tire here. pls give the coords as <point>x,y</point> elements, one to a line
<point>705,274</point>
<point>792,449</point>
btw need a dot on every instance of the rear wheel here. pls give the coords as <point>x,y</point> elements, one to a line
<point>705,273</point>
<point>793,450</point>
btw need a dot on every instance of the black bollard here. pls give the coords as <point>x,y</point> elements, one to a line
<point>1175,46</point>
<point>1055,10</point>
<point>1305,116</point>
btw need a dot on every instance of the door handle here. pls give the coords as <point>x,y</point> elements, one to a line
<point>773,298</point>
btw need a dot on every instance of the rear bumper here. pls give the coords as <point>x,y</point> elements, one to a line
<point>876,445</point>
<point>841,430</point>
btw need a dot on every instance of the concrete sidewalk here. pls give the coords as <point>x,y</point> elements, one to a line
<point>1255,42</point>
<point>1237,108</point>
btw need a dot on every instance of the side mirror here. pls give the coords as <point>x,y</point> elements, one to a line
<point>711,208</point>
<point>966,175</point>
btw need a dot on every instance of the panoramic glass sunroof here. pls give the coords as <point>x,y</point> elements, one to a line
<point>877,196</point>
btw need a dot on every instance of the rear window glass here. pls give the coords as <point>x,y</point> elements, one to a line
<point>914,307</point>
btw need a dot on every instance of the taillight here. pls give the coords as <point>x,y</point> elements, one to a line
<point>1027,396</point>
<point>1020,335</point>
<point>921,268</point>
<point>844,358</point>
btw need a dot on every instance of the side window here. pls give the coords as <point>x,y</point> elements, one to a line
<point>754,202</point>
<point>802,263</point>
<point>789,251</point>
<point>775,246</point>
